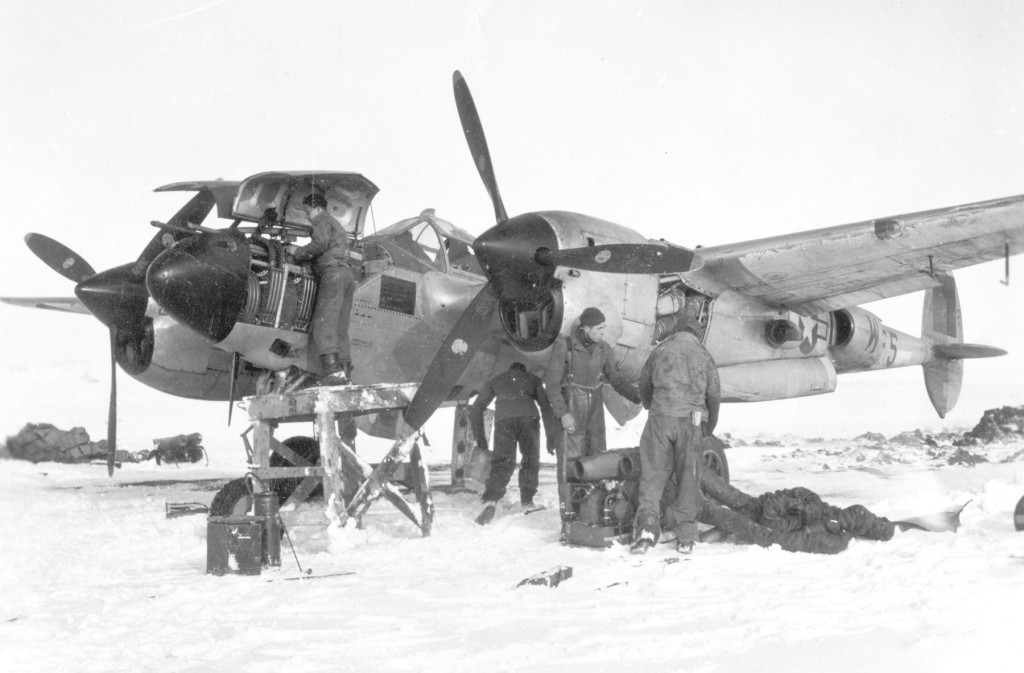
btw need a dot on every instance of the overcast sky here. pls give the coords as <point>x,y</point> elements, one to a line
<point>700,122</point>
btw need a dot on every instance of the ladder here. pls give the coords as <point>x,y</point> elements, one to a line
<point>350,483</point>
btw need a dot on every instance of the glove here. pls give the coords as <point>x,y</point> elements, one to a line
<point>551,445</point>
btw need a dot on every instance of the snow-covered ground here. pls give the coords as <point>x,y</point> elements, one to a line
<point>95,578</point>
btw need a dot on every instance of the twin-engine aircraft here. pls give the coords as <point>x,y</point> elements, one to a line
<point>218,312</point>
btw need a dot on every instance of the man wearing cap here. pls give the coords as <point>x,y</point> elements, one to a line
<point>328,251</point>
<point>680,388</point>
<point>580,363</point>
<point>516,421</point>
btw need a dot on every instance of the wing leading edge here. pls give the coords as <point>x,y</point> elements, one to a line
<point>837,267</point>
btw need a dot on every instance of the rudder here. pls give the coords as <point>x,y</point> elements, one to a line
<point>942,325</point>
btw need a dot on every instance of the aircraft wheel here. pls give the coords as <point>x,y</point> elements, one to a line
<point>306,447</point>
<point>714,457</point>
<point>233,499</point>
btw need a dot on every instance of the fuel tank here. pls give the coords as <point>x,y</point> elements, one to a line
<point>777,379</point>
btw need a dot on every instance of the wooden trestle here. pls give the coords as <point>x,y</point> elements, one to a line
<point>350,483</point>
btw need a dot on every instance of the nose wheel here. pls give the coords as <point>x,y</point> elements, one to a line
<point>235,497</point>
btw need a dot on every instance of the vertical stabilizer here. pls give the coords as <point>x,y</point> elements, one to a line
<point>942,325</point>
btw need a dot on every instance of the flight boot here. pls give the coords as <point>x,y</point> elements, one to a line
<point>333,371</point>
<point>487,513</point>
<point>644,539</point>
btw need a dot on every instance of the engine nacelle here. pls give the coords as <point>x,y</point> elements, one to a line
<point>176,360</point>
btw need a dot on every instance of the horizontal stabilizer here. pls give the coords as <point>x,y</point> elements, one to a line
<point>965,351</point>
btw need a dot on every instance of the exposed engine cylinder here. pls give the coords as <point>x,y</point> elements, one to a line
<point>279,295</point>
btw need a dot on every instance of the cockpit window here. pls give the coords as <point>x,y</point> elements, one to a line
<point>422,242</point>
<point>338,205</point>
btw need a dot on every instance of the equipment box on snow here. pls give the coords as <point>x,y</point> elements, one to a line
<point>234,544</point>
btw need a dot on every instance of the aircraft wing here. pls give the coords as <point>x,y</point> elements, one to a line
<point>828,269</point>
<point>66,304</point>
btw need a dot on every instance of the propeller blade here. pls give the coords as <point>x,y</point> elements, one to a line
<point>623,258</point>
<point>455,354</point>
<point>59,257</point>
<point>112,412</point>
<point>235,360</point>
<point>474,131</point>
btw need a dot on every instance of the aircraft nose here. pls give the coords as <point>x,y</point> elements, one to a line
<point>202,282</point>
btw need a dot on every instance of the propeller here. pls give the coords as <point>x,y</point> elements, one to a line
<point>519,256</point>
<point>236,361</point>
<point>118,298</point>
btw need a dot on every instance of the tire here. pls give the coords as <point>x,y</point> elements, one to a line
<point>233,499</point>
<point>714,457</point>
<point>308,448</point>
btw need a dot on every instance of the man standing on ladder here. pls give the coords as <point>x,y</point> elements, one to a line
<point>580,363</point>
<point>328,250</point>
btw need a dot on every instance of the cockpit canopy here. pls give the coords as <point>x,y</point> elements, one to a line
<point>430,243</point>
<point>348,197</point>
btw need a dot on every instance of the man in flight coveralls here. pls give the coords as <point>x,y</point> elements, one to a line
<point>518,393</point>
<point>679,386</point>
<point>580,364</point>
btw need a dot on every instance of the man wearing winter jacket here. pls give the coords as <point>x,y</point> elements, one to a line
<point>580,363</point>
<point>328,251</point>
<point>679,386</point>
<point>518,394</point>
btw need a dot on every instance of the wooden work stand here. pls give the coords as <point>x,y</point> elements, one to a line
<point>350,483</point>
